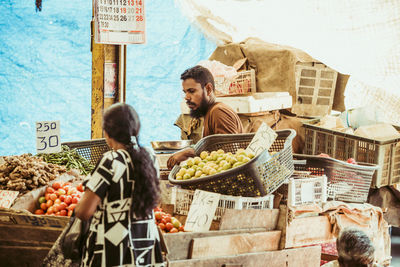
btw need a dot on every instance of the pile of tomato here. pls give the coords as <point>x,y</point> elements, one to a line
<point>60,199</point>
<point>166,222</point>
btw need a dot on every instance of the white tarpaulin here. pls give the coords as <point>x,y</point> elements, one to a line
<point>360,38</point>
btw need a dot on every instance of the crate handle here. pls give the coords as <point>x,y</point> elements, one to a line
<point>300,162</point>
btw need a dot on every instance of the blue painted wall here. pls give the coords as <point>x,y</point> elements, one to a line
<point>45,71</point>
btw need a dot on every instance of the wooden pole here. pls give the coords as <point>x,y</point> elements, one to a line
<point>97,86</point>
<point>101,54</point>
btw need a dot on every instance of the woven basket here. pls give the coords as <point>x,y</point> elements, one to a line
<point>260,176</point>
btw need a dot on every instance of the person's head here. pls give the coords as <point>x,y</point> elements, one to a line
<point>121,124</point>
<point>355,249</point>
<point>198,88</point>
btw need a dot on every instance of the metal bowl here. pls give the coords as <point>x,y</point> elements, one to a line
<point>178,144</point>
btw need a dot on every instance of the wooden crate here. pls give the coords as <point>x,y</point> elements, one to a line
<point>25,238</point>
<point>299,257</point>
<point>296,232</point>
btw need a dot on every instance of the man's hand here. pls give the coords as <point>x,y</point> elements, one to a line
<point>180,156</point>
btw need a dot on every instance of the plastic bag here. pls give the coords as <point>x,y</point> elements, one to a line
<point>223,75</point>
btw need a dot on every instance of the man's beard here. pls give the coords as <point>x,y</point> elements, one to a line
<point>201,110</point>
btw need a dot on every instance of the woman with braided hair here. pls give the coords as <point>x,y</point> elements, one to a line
<point>119,198</point>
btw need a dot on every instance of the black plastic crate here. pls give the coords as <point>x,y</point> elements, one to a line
<point>260,176</point>
<point>92,150</point>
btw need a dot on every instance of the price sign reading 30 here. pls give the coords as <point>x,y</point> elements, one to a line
<point>48,137</point>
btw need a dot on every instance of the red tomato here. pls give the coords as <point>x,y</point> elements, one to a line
<point>39,211</point>
<point>63,206</point>
<point>56,207</point>
<point>75,200</point>
<point>58,213</point>
<point>56,185</point>
<point>57,201</point>
<point>50,190</point>
<point>67,183</point>
<point>68,200</point>
<point>157,215</point>
<point>80,187</point>
<point>63,212</point>
<point>46,196</point>
<point>157,209</point>
<point>62,198</point>
<point>169,226</point>
<point>50,210</point>
<point>167,218</point>
<point>173,230</point>
<point>49,203</point>
<point>351,161</point>
<point>43,206</point>
<point>72,191</point>
<point>66,187</point>
<point>181,228</point>
<point>163,221</point>
<point>53,196</point>
<point>71,207</point>
<point>61,192</point>
<point>162,226</point>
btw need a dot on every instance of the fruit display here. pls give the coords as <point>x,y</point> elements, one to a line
<point>209,163</point>
<point>166,222</point>
<point>70,159</point>
<point>60,199</point>
<point>25,172</point>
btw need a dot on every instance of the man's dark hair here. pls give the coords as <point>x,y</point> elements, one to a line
<point>355,249</point>
<point>200,74</point>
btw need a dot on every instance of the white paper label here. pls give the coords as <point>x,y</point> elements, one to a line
<point>7,197</point>
<point>262,140</point>
<point>110,80</point>
<point>307,192</point>
<point>48,137</point>
<point>202,211</point>
<point>119,22</point>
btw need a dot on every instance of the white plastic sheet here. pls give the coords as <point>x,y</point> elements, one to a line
<point>360,37</point>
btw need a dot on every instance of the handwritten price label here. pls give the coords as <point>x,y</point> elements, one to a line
<point>262,140</point>
<point>7,197</point>
<point>48,137</point>
<point>119,21</point>
<point>202,211</point>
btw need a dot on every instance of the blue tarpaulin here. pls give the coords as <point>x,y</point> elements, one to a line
<point>45,70</point>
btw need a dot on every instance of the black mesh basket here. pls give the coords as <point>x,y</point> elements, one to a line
<point>91,150</point>
<point>260,176</point>
<point>346,182</point>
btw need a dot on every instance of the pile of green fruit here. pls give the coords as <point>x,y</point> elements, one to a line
<point>212,163</point>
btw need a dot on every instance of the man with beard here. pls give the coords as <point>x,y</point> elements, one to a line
<point>198,89</point>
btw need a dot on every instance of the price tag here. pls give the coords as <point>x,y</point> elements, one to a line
<point>48,137</point>
<point>262,140</point>
<point>202,211</point>
<point>119,21</point>
<point>7,197</point>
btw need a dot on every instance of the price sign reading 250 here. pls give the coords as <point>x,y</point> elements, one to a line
<point>48,137</point>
